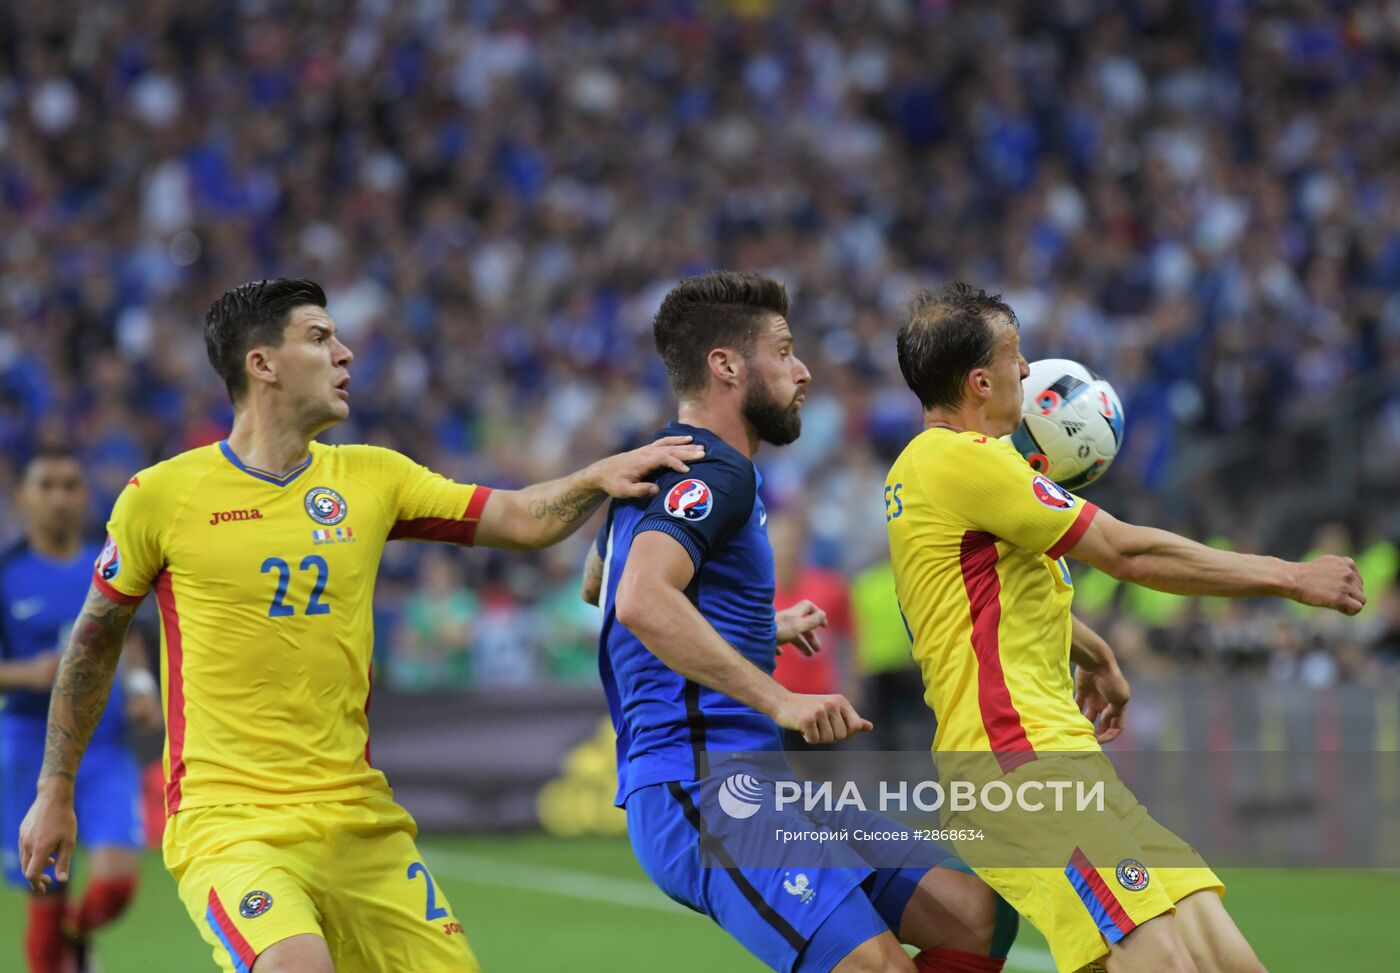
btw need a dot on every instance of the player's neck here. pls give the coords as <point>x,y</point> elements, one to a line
<point>728,425</point>
<point>263,442</point>
<point>958,420</point>
<point>62,546</point>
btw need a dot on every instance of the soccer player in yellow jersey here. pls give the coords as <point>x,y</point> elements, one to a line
<point>288,848</point>
<point>978,541</point>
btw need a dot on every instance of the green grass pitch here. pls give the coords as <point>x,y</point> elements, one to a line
<point>533,904</point>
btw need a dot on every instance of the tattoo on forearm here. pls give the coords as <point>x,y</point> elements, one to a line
<point>567,507</point>
<point>83,683</point>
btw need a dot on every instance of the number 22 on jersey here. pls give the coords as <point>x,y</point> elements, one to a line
<point>314,606</point>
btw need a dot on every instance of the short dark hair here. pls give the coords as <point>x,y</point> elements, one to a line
<point>51,451</point>
<point>717,309</point>
<point>248,315</point>
<point>948,334</point>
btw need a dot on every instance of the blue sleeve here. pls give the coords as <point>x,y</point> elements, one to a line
<point>704,507</point>
<point>600,543</point>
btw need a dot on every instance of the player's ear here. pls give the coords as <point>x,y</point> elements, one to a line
<point>259,365</point>
<point>979,382</point>
<point>724,365</point>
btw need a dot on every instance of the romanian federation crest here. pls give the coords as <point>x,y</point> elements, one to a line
<point>1132,874</point>
<point>325,506</point>
<point>254,904</point>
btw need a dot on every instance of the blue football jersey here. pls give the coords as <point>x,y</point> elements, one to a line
<point>665,723</point>
<point>39,600</point>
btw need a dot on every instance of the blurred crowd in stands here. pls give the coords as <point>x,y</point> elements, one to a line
<point>1198,199</point>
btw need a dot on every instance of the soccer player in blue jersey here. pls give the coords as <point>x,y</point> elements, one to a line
<point>43,581</point>
<point>685,579</point>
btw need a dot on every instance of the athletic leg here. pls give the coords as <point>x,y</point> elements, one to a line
<point>1213,939</point>
<point>111,827</point>
<point>853,938</point>
<point>45,949</point>
<point>951,909</point>
<point>384,910</point>
<point>20,756</point>
<point>115,874</point>
<point>304,953</point>
<point>882,954</point>
<point>1154,945</point>
<point>250,879</point>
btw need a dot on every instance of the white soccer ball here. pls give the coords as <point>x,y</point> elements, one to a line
<point>1071,422</point>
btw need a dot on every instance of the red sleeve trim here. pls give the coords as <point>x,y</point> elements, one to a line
<point>1076,531</point>
<point>447,530</point>
<point>113,594</point>
<point>476,504</point>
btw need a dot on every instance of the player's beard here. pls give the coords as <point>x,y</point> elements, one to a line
<point>775,423</point>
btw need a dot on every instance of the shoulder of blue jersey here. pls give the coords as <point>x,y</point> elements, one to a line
<point>13,552</point>
<point>724,476</point>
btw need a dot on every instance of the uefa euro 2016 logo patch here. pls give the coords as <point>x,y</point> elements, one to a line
<point>254,904</point>
<point>1050,493</point>
<point>1132,874</point>
<point>690,500</point>
<point>325,506</point>
<point>109,562</point>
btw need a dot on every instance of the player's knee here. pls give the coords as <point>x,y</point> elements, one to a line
<point>1156,945</point>
<point>986,923</point>
<point>883,954</point>
<point>983,915</point>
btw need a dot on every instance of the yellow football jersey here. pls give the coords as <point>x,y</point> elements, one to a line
<point>265,586</point>
<point>977,539</point>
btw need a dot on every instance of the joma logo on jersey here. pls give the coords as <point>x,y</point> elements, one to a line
<point>227,516</point>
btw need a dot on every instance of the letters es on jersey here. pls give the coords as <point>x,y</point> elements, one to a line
<point>1050,493</point>
<point>325,506</point>
<point>690,500</point>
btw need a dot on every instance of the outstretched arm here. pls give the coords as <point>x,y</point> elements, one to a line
<point>1168,562</point>
<point>80,692</point>
<point>546,513</point>
<point>652,603</point>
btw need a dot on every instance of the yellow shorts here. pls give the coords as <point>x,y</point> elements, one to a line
<point>350,873</point>
<point>1120,867</point>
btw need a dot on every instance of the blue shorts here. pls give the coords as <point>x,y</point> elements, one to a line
<point>107,796</point>
<point>803,919</point>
